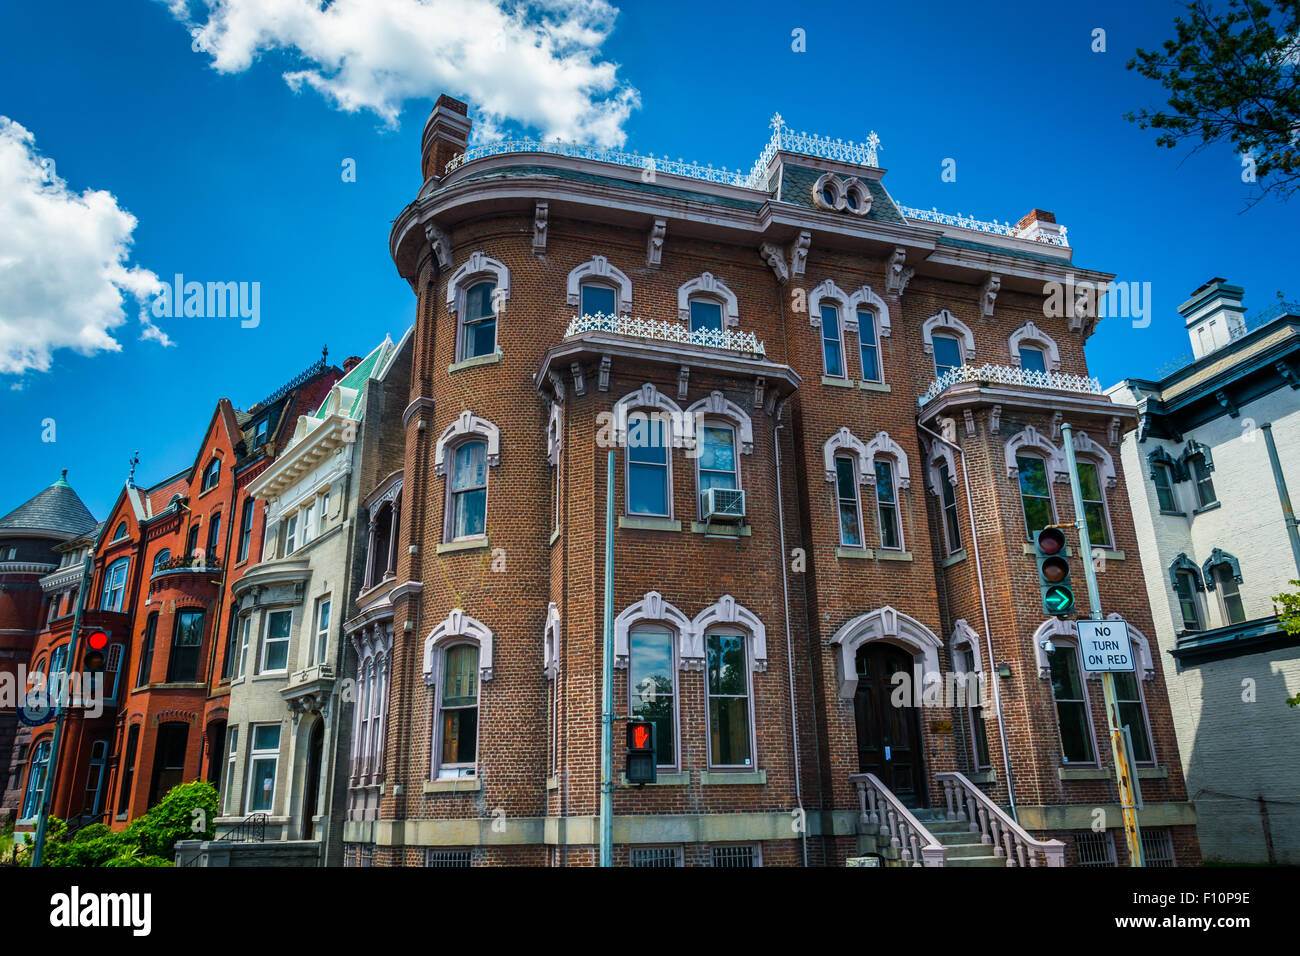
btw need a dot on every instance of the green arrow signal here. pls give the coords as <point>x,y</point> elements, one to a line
<point>1058,599</point>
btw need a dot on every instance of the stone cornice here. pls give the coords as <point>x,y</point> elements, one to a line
<point>969,395</point>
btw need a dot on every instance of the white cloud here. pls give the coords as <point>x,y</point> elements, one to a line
<point>536,64</point>
<point>63,261</point>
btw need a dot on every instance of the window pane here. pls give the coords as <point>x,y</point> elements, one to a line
<point>1130,715</point>
<point>834,360</point>
<point>729,730</point>
<point>849,525</point>
<point>263,784</point>
<point>650,675</point>
<point>471,514</point>
<point>718,452</point>
<point>844,479</point>
<point>884,482</point>
<point>459,735</point>
<point>1076,739</point>
<point>1164,489</point>
<point>831,349</point>
<point>460,684</point>
<point>947,353</point>
<point>705,315</point>
<point>647,489</point>
<point>726,664</point>
<point>1031,360</point>
<point>480,338</point>
<point>471,466</point>
<point>870,364</point>
<point>1088,481</point>
<point>866,327</point>
<point>1065,674</point>
<point>647,439</point>
<point>1098,534</point>
<point>598,300</point>
<point>266,737</point>
<point>478,301</point>
<point>1038,514</point>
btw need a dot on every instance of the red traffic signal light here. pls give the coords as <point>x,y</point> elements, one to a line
<point>1053,572</point>
<point>1051,541</point>
<point>93,660</point>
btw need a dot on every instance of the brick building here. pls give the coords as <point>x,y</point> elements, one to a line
<point>165,560</point>
<point>836,421</point>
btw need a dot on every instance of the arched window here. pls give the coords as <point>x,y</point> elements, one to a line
<point>648,425</point>
<point>718,463</point>
<point>599,288</point>
<point>652,686</point>
<point>1223,574</point>
<point>476,294</point>
<point>1033,349</point>
<point>1073,715</point>
<point>1186,579</point>
<point>1094,504</point>
<point>949,340</point>
<point>162,557</point>
<point>37,769</point>
<point>466,450</point>
<point>120,532</point>
<point>947,354</point>
<point>211,475</point>
<point>846,493</point>
<point>889,469</point>
<point>826,306</point>
<point>869,346</point>
<point>707,300</point>
<point>114,588</point>
<point>1035,492</point>
<point>457,658</point>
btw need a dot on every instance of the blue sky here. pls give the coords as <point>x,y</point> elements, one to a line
<point>232,174</point>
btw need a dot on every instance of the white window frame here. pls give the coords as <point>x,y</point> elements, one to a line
<point>947,486</point>
<point>1087,707</point>
<point>232,770</point>
<point>653,416</point>
<point>747,668</point>
<point>719,423</point>
<point>950,337</point>
<point>706,298</point>
<point>320,646</point>
<point>113,593</point>
<point>867,318</point>
<point>852,462</point>
<point>97,767</point>
<point>895,476</point>
<point>835,306</point>
<point>1099,467</point>
<point>449,517</point>
<point>287,640</point>
<point>323,505</point>
<point>290,533</point>
<point>597,284</point>
<point>675,670</point>
<point>1223,577</point>
<point>1185,574</point>
<point>454,771</point>
<point>1031,452</point>
<point>245,632</point>
<point>254,757</point>
<point>308,517</point>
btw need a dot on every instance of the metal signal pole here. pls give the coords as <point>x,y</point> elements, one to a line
<point>607,682</point>
<point>1124,771</point>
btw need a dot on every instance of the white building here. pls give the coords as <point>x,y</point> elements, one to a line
<point>291,692</point>
<point>1208,468</point>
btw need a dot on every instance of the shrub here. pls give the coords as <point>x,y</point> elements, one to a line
<point>186,813</point>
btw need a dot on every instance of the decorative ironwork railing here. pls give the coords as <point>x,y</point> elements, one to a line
<point>977,225</point>
<point>316,368</point>
<point>879,807</point>
<point>251,829</point>
<point>783,137</point>
<point>969,804</point>
<point>730,339</point>
<point>1010,375</point>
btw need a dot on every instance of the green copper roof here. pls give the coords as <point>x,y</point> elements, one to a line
<point>356,379</point>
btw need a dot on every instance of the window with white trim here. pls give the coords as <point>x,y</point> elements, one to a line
<point>832,341</point>
<point>1094,504</point>
<point>1199,469</point>
<point>187,646</point>
<point>467,491</point>
<point>869,346</point>
<point>717,464</point>
<point>291,534</point>
<point>891,533</point>
<point>652,690</point>
<point>1162,477</point>
<point>245,632</point>
<point>275,642</point>
<point>95,777</point>
<point>948,505</point>
<point>1073,716</point>
<point>846,493</point>
<point>308,522</point>
<point>230,799</point>
<point>964,664</point>
<point>114,589</point>
<point>322,629</point>
<point>1032,359</point>
<point>705,313</point>
<point>37,770</point>
<point>478,322</point>
<point>245,529</point>
<point>263,763</point>
<point>730,706</point>
<point>211,475</point>
<point>599,299</point>
<point>947,353</point>
<point>649,465</point>
<point>458,712</point>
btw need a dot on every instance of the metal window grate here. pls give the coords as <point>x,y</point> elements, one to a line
<point>1157,848</point>
<point>1095,849</point>
<point>657,856</point>
<point>735,856</point>
<point>446,858</point>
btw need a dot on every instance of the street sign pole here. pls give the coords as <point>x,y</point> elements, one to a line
<point>1124,771</point>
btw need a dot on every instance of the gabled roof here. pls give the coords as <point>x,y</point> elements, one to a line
<point>57,512</point>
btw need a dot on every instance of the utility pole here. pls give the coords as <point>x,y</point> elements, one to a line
<point>1118,743</point>
<point>607,682</point>
<point>52,767</point>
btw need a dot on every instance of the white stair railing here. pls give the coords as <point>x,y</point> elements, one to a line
<point>880,807</point>
<point>969,804</point>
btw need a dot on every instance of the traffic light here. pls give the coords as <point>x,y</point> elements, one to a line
<point>642,754</point>
<point>93,660</point>
<point>1053,572</point>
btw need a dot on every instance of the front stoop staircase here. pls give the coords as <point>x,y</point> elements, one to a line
<point>971,830</point>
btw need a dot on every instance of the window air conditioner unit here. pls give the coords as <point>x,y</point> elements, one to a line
<point>723,505</point>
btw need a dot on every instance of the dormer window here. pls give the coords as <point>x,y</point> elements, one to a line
<point>211,475</point>
<point>260,433</point>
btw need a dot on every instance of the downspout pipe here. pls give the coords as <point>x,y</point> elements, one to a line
<point>789,636</point>
<point>991,665</point>
<point>1288,514</point>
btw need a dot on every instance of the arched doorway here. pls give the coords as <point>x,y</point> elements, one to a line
<point>311,793</point>
<point>889,736</point>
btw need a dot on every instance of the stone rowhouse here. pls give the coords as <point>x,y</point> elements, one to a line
<point>291,696</point>
<point>41,556</point>
<point>164,562</point>
<point>774,357</point>
<point>1211,516</point>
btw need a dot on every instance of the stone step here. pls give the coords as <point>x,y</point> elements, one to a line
<point>976,861</point>
<point>968,851</point>
<point>965,838</point>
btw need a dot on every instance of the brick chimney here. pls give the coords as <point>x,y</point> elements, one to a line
<point>1213,316</point>
<point>446,134</point>
<point>351,362</point>
<point>1038,224</point>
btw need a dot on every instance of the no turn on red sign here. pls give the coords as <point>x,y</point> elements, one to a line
<point>1105,646</point>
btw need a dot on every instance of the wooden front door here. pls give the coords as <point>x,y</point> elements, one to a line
<point>889,737</point>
